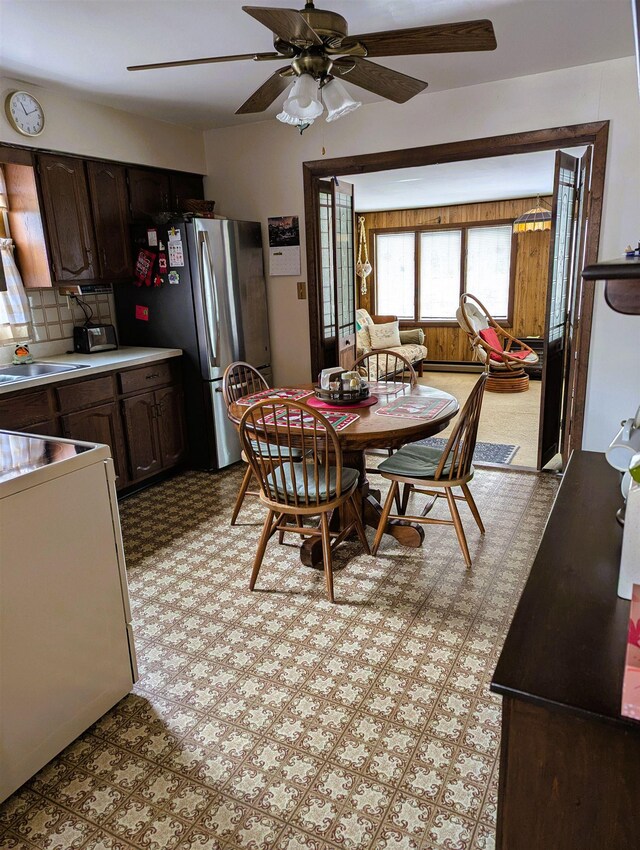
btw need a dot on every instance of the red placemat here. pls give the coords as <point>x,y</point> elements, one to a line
<point>324,405</point>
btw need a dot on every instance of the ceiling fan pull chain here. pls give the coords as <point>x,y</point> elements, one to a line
<point>363,270</point>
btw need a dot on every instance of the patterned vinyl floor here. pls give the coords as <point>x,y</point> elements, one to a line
<point>274,719</point>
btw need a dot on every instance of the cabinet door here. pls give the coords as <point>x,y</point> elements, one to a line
<point>148,193</point>
<point>184,186</point>
<point>68,218</point>
<point>140,413</point>
<point>50,428</point>
<point>99,424</point>
<point>170,422</point>
<point>108,192</point>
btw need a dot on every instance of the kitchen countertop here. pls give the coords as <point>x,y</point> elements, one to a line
<point>24,454</point>
<point>104,361</point>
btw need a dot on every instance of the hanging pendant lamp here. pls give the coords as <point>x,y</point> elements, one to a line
<point>538,218</point>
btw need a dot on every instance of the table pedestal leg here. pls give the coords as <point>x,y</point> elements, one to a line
<point>407,533</point>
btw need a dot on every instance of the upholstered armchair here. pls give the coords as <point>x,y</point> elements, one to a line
<point>378,332</point>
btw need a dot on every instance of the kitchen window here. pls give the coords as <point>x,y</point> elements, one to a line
<point>420,274</point>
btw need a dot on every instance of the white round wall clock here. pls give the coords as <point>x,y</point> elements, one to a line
<point>24,112</point>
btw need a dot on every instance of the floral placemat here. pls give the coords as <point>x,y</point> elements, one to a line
<point>387,387</point>
<point>288,393</point>
<point>415,407</point>
<point>298,419</point>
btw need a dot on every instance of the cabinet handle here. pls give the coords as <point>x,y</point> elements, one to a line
<point>104,258</point>
<point>153,375</point>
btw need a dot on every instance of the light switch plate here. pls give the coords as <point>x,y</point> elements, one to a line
<point>302,290</point>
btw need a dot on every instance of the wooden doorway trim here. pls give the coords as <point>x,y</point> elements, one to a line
<point>595,133</point>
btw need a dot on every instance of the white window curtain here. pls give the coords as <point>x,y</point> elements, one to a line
<point>15,313</point>
<point>395,274</point>
<point>489,267</point>
<point>440,274</point>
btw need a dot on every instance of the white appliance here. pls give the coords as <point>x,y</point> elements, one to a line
<point>66,645</point>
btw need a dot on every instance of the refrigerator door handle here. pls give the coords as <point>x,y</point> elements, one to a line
<point>208,287</point>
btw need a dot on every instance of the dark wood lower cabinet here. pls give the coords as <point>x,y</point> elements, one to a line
<point>154,422</point>
<point>100,424</point>
<point>145,430</point>
<point>569,777</point>
<point>140,413</point>
<point>170,422</point>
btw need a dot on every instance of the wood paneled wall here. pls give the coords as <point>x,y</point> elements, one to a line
<point>532,263</point>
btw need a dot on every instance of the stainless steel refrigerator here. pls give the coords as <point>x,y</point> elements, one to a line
<point>207,296</point>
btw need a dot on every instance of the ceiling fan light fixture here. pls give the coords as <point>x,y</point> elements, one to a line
<point>293,122</point>
<point>302,103</point>
<point>338,100</point>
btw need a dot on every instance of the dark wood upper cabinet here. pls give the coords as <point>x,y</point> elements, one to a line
<point>148,193</point>
<point>68,218</point>
<point>109,203</point>
<point>184,186</point>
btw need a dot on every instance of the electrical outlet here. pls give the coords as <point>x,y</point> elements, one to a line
<point>302,290</point>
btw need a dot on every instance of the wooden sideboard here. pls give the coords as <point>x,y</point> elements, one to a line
<point>570,763</point>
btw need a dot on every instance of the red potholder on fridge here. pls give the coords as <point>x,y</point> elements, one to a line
<point>144,267</point>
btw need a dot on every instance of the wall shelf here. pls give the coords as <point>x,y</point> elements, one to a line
<point>622,283</point>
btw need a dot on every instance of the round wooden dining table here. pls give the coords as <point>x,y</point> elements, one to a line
<point>373,430</point>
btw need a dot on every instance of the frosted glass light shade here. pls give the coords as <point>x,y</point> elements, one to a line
<point>303,104</point>
<point>294,122</point>
<point>338,100</point>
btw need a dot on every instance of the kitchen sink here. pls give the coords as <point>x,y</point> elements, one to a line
<point>24,371</point>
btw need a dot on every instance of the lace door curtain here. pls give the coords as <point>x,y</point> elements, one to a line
<point>15,313</point>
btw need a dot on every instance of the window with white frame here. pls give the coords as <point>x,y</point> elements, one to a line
<point>421,274</point>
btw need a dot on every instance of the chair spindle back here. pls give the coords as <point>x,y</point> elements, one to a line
<point>387,365</point>
<point>241,379</point>
<point>458,453</point>
<point>270,433</point>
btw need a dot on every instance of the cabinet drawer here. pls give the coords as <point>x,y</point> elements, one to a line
<point>17,412</point>
<point>146,377</point>
<point>79,394</point>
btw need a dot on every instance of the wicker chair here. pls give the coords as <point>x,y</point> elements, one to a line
<point>415,465</point>
<point>296,457</point>
<point>502,354</point>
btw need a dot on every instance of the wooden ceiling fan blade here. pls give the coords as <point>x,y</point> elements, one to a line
<point>263,97</point>
<point>257,57</point>
<point>455,37</point>
<point>380,80</point>
<point>287,24</point>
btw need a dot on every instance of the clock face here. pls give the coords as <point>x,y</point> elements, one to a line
<point>25,113</point>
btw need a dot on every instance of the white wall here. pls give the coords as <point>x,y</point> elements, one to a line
<point>256,172</point>
<point>89,129</point>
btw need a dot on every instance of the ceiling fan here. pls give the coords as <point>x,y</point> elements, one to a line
<point>317,43</point>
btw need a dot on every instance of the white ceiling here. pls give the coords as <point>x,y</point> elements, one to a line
<point>84,46</point>
<point>473,181</point>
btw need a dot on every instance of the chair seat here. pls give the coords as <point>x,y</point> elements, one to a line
<point>349,478</point>
<point>415,461</point>
<point>270,450</point>
<point>497,362</point>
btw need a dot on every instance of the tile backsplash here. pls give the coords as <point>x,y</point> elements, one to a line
<point>54,319</point>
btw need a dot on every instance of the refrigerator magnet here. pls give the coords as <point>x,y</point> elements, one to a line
<point>152,237</point>
<point>174,277</point>
<point>162,262</point>
<point>142,313</point>
<point>176,257</point>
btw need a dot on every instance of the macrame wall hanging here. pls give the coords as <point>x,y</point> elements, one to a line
<point>363,266</point>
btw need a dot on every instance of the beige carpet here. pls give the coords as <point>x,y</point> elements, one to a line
<point>506,417</point>
<point>277,720</point>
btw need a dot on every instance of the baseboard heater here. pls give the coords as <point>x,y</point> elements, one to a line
<point>452,366</point>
